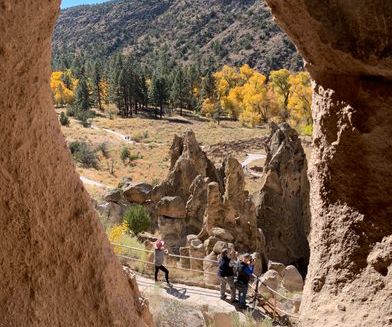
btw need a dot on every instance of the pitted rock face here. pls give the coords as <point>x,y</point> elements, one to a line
<point>348,46</point>
<point>283,201</point>
<point>340,37</point>
<point>56,264</point>
<point>187,162</point>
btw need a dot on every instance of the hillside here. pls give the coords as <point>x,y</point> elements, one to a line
<point>219,31</point>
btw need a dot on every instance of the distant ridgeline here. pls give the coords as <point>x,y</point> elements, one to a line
<point>207,33</point>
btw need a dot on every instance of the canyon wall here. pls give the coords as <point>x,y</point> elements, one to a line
<point>348,49</point>
<point>57,267</point>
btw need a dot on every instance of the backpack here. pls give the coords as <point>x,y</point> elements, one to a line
<point>242,276</point>
<point>225,270</point>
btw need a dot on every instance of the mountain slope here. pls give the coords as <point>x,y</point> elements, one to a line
<point>222,31</point>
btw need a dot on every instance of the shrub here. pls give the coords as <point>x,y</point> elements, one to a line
<point>83,117</point>
<point>64,120</point>
<point>83,154</point>
<point>307,130</point>
<point>140,136</point>
<point>137,219</point>
<point>71,111</point>
<point>104,149</point>
<point>125,154</point>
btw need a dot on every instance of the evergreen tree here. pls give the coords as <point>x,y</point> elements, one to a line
<point>178,89</point>
<point>82,95</point>
<point>97,80</point>
<point>159,92</point>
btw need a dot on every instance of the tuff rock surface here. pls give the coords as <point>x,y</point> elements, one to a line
<point>57,267</point>
<point>348,49</point>
<point>283,201</point>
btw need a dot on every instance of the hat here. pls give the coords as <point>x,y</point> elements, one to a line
<point>159,244</point>
<point>246,256</point>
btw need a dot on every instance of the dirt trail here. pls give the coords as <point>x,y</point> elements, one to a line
<point>190,295</point>
<point>125,138</point>
<point>251,157</point>
<point>91,182</point>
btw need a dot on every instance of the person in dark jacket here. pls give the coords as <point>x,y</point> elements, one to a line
<point>245,272</point>
<point>226,275</point>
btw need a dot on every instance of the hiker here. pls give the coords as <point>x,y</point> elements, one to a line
<point>226,275</point>
<point>159,256</point>
<point>245,272</point>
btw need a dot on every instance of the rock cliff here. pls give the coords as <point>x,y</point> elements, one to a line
<point>283,201</point>
<point>348,49</point>
<point>57,267</point>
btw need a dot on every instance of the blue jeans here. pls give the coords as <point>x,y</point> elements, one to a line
<point>242,291</point>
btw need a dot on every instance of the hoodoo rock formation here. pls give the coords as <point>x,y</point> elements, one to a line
<point>348,49</point>
<point>283,201</point>
<point>199,199</point>
<point>57,267</point>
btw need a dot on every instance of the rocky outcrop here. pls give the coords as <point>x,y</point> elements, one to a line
<point>347,46</point>
<point>283,201</point>
<point>272,279</point>
<point>197,204</point>
<point>171,206</point>
<point>187,162</point>
<point>57,267</point>
<point>230,215</point>
<point>137,193</point>
<point>292,279</point>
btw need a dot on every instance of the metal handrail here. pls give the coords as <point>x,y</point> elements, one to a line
<point>206,272</point>
<point>172,267</point>
<point>170,255</point>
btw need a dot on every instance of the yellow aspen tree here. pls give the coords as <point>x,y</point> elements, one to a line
<point>279,81</point>
<point>300,99</point>
<point>246,73</point>
<point>61,93</point>
<point>254,106</point>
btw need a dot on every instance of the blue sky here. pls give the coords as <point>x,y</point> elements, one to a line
<point>71,3</point>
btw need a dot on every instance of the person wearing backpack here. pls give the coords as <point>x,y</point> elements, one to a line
<point>245,272</point>
<point>226,275</point>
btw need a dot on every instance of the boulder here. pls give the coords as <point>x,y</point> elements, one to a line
<point>197,251</point>
<point>210,268</point>
<point>283,201</point>
<point>195,242</point>
<point>222,234</point>
<point>277,266</point>
<point>137,193</point>
<point>171,230</point>
<point>171,206</point>
<point>219,246</point>
<point>190,238</point>
<point>114,195</point>
<point>209,243</point>
<point>292,279</point>
<point>272,279</point>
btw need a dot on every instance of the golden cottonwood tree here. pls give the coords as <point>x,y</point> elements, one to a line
<point>300,99</point>
<point>62,94</point>
<point>254,104</point>
<point>279,82</point>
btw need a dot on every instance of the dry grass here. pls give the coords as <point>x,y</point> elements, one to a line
<point>154,138</point>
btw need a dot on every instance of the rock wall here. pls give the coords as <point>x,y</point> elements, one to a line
<point>283,202</point>
<point>348,49</point>
<point>57,267</point>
